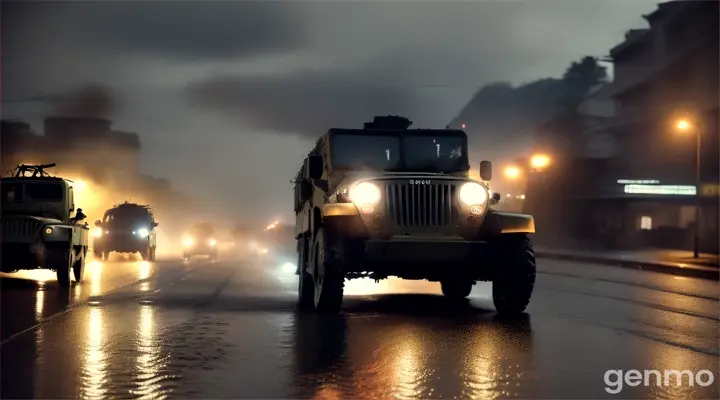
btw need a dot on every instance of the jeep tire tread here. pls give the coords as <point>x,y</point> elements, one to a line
<point>514,277</point>
<point>306,285</point>
<point>328,274</point>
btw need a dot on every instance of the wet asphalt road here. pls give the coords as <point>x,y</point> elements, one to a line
<point>229,329</point>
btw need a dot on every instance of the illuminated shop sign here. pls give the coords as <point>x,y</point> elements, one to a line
<point>675,190</point>
<point>638,182</point>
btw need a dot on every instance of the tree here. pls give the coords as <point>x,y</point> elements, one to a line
<point>579,78</point>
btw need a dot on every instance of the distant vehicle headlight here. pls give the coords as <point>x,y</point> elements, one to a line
<point>288,268</point>
<point>365,193</point>
<point>473,194</point>
<point>188,242</point>
<point>97,232</point>
<point>143,232</point>
<point>212,242</point>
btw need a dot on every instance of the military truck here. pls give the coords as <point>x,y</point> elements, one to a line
<point>38,231</point>
<point>126,228</point>
<point>200,241</point>
<point>387,200</point>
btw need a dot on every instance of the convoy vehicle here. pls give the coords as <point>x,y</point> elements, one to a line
<point>386,201</point>
<point>200,240</point>
<point>126,228</point>
<point>38,230</point>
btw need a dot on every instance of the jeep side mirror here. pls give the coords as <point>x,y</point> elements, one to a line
<point>485,170</point>
<point>98,223</point>
<point>495,198</point>
<point>155,224</point>
<point>314,167</point>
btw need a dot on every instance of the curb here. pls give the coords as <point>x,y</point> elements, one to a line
<point>692,271</point>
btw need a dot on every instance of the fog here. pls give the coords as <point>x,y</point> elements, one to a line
<point>227,97</point>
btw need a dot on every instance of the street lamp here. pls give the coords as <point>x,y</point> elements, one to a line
<point>539,161</point>
<point>512,173</point>
<point>684,125</point>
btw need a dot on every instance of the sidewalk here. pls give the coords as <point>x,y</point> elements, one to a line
<point>666,261</point>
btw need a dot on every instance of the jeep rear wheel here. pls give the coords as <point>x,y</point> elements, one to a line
<point>306,285</point>
<point>514,278</point>
<point>456,288</point>
<point>327,274</point>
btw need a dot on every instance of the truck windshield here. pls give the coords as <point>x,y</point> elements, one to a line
<point>427,153</point>
<point>378,152</point>
<point>12,192</point>
<point>45,192</point>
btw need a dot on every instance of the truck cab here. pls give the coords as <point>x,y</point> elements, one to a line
<point>41,227</point>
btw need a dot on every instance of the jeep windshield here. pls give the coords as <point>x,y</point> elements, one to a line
<point>393,152</point>
<point>126,218</point>
<point>41,192</point>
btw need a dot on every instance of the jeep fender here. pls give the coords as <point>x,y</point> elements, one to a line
<point>499,223</point>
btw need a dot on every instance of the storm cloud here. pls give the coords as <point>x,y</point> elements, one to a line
<point>177,29</point>
<point>306,103</point>
<point>225,85</point>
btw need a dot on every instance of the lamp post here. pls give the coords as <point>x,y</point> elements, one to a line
<point>684,125</point>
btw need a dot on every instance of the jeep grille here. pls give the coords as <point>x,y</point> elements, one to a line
<point>16,229</point>
<point>421,206</point>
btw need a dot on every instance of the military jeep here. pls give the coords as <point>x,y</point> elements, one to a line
<point>38,231</point>
<point>126,228</point>
<point>390,201</point>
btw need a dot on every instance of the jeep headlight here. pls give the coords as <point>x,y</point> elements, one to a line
<point>365,193</point>
<point>143,232</point>
<point>473,194</point>
<point>97,232</point>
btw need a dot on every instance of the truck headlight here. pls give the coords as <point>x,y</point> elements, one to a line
<point>188,242</point>
<point>365,193</point>
<point>97,232</point>
<point>473,194</point>
<point>212,242</point>
<point>143,232</point>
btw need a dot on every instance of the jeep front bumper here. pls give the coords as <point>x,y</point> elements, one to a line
<point>423,250</point>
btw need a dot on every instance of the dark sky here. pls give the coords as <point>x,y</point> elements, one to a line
<point>228,96</point>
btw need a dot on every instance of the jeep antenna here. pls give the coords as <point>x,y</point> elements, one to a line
<point>36,170</point>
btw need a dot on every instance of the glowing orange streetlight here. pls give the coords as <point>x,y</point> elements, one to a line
<point>685,125</point>
<point>539,161</point>
<point>512,173</point>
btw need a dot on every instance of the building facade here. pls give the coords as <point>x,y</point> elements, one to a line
<point>628,171</point>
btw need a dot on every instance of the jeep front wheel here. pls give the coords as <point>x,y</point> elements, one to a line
<point>514,278</point>
<point>328,274</point>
